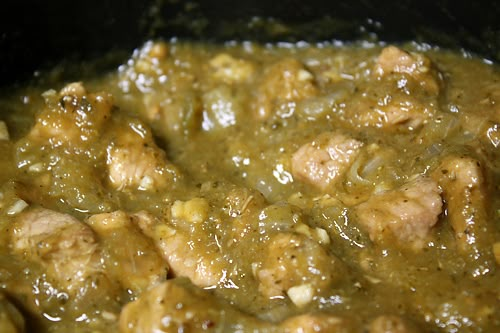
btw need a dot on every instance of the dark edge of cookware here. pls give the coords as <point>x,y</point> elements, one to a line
<point>38,34</point>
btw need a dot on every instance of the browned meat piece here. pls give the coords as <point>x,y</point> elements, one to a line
<point>401,95</point>
<point>69,131</point>
<point>136,162</point>
<point>325,159</point>
<point>177,305</point>
<point>197,259</point>
<point>297,266</point>
<point>11,320</point>
<point>407,213</point>
<point>465,193</point>
<point>63,245</point>
<point>284,82</point>
<point>72,117</point>
<point>129,256</point>
<point>394,60</point>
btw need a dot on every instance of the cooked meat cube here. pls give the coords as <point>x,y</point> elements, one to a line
<point>284,82</point>
<point>406,214</point>
<point>197,259</point>
<point>129,256</point>
<point>465,193</point>
<point>323,161</point>
<point>72,117</point>
<point>135,162</point>
<point>297,266</point>
<point>395,60</point>
<point>66,247</point>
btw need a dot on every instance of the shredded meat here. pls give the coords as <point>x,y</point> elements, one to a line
<point>400,95</point>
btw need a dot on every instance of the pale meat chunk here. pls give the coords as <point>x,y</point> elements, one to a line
<point>406,214</point>
<point>129,256</point>
<point>465,192</point>
<point>402,94</point>
<point>73,117</point>
<point>323,161</point>
<point>286,81</point>
<point>135,162</point>
<point>419,67</point>
<point>197,259</point>
<point>296,266</point>
<point>135,167</point>
<point>63,245</point>
<point>178,306</point>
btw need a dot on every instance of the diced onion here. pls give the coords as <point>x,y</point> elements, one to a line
<point>301,295</point>
<point>372,165</point>
<point>17,207</point>
<point>353,174</point>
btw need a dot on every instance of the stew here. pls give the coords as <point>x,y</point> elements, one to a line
<point>248,187</point>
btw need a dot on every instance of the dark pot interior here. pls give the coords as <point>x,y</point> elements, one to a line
<point>38,34</point>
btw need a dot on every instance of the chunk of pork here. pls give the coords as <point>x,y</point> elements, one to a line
<point>406,214</point>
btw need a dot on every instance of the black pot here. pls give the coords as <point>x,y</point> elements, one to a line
<point>38,34</point>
